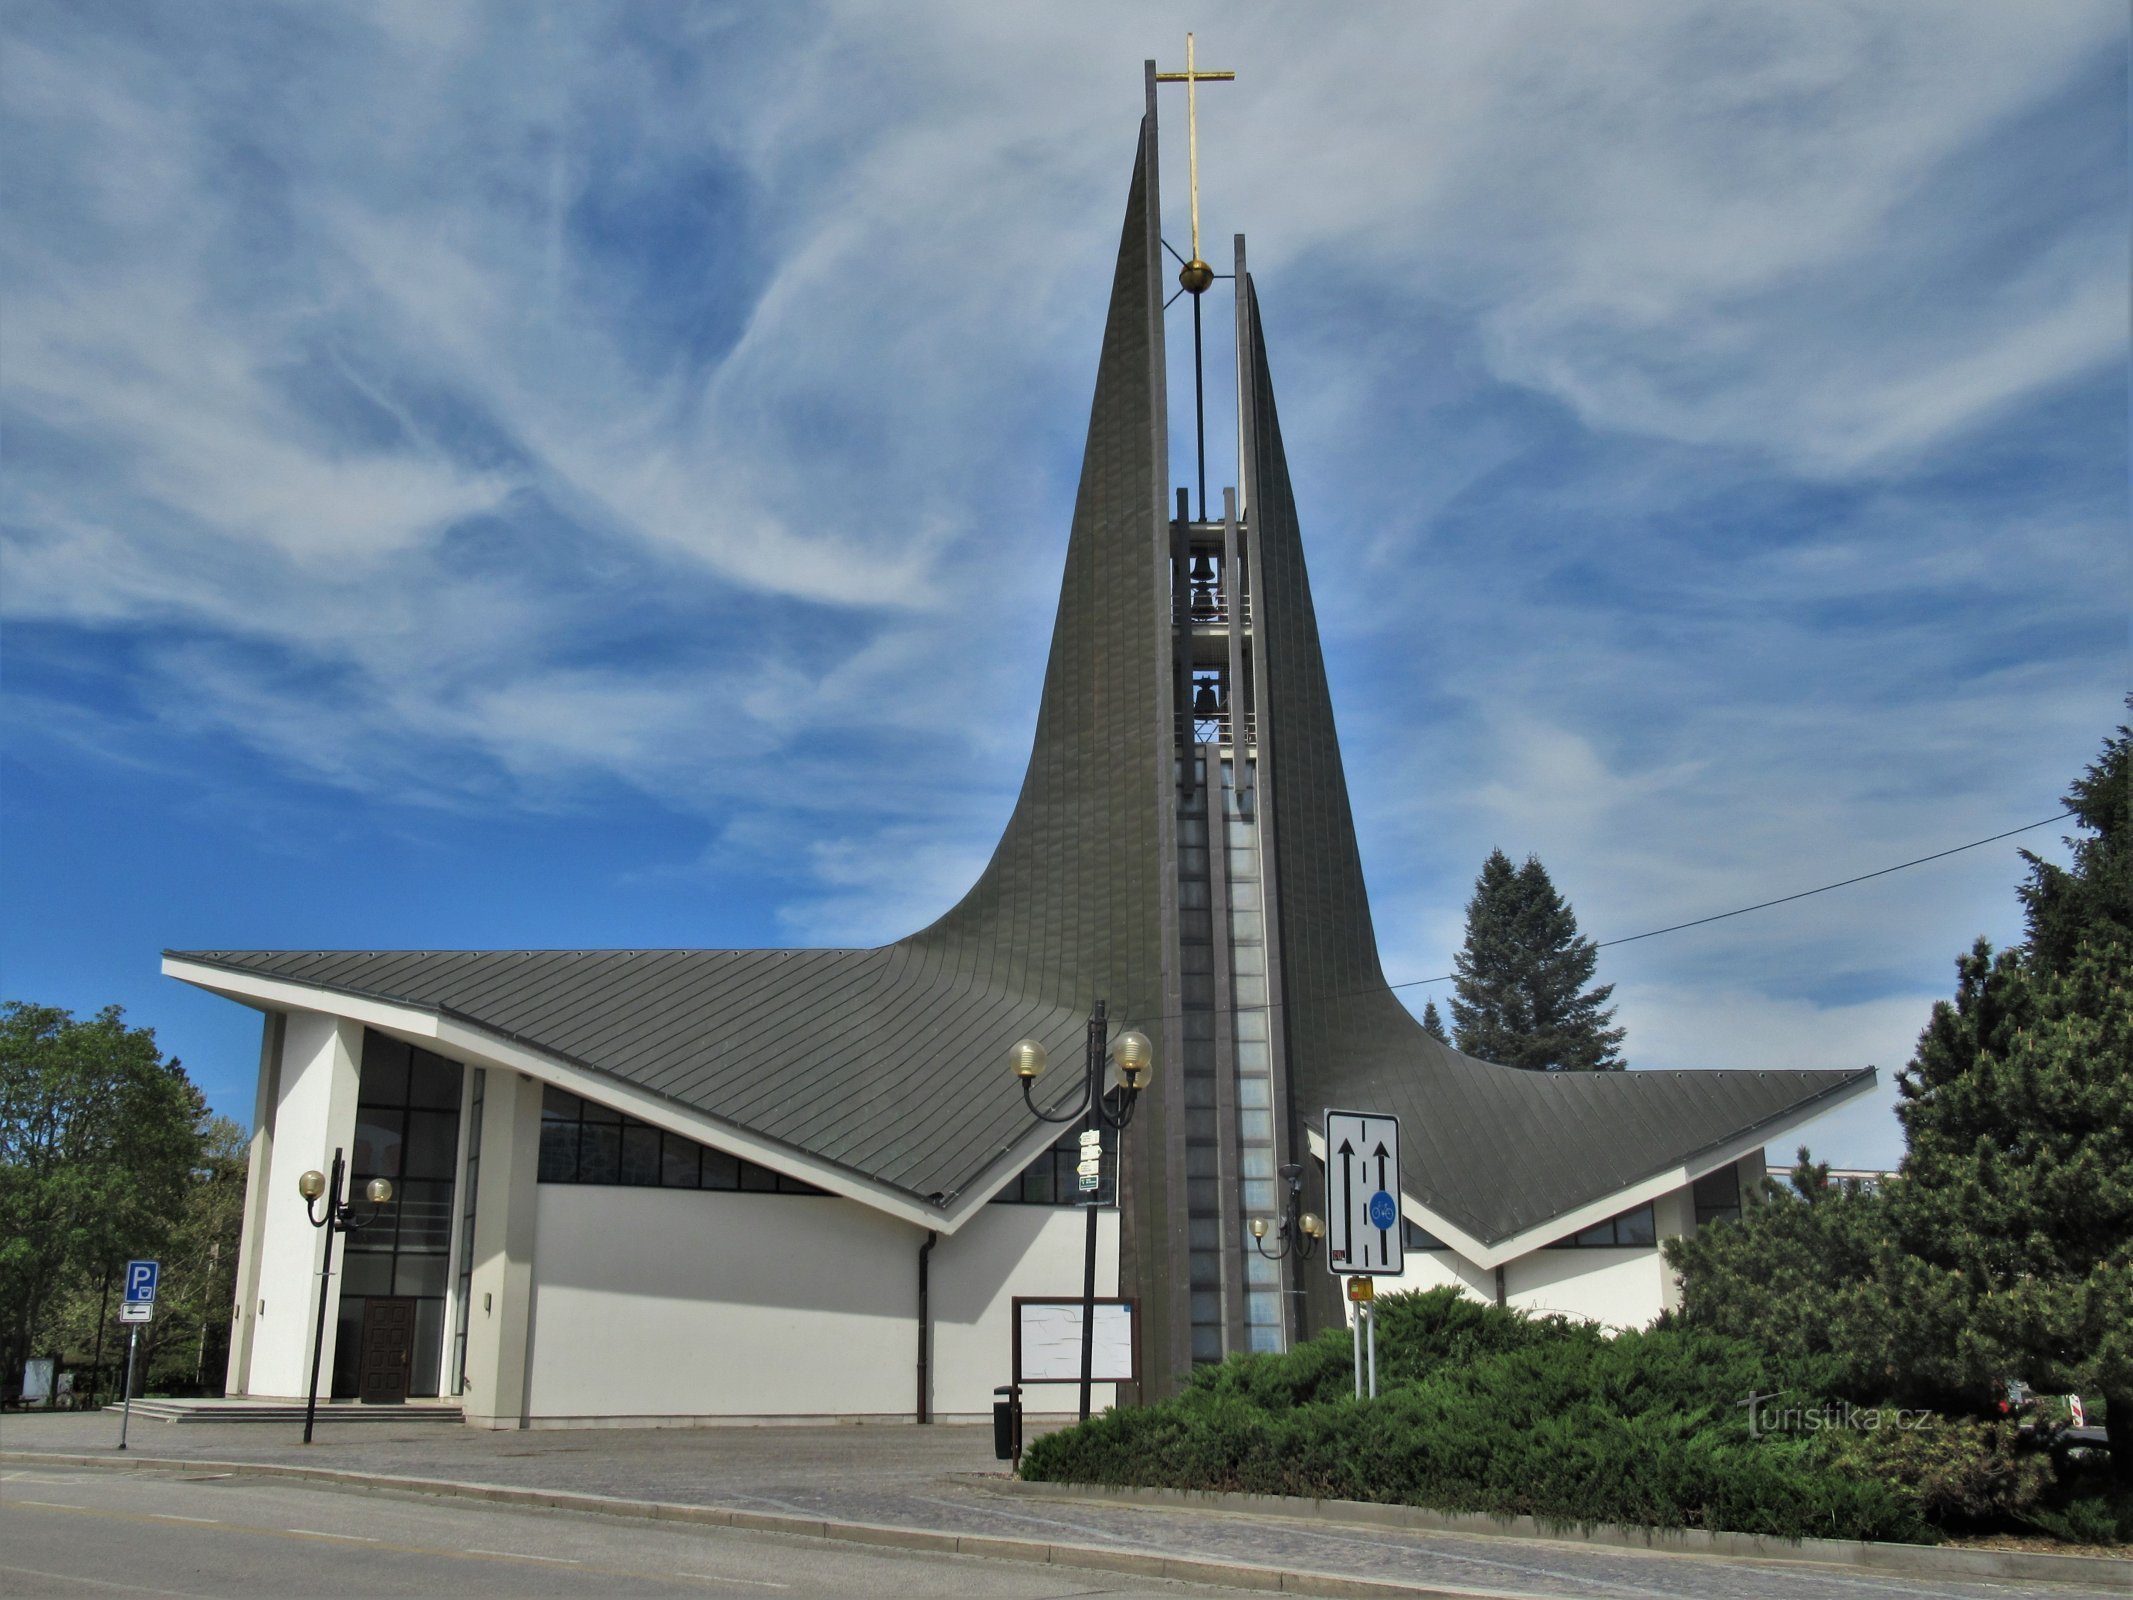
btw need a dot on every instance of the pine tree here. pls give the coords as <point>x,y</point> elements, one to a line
<point>1433,1024</point>
<point>1521,977</point>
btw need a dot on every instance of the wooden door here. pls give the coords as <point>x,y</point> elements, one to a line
<point>388,1351</point>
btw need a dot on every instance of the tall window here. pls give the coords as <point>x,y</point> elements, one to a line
<point>407,1129</point>
<point>586,1143</point>
<point>470,1190</point>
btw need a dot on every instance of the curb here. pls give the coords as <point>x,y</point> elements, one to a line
<point>1183,1569</point>
<point>2105,1572</point>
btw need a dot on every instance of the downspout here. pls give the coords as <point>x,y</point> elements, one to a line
<point>925,1329</point>
<point>1500,1297</point>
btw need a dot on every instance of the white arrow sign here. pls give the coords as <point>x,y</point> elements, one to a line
<point>1363,1195</point>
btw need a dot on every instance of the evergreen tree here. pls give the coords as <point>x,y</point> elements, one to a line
<point>1433,1024</point>
<point>1521,977</point>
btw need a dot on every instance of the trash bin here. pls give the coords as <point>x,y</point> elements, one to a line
<point>1003,1423</point>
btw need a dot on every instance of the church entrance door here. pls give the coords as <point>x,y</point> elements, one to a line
<point>388,1350</point>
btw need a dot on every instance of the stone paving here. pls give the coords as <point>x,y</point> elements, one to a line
<point>945,1478</point>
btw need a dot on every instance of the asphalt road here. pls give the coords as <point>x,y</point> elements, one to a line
<point>89,1532</point>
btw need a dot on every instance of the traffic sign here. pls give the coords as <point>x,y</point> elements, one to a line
<point>141,1279</point>
<point>1363,1195</point>
<point>137,1310</point>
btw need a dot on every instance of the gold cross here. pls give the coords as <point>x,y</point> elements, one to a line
<point>1197,274</point>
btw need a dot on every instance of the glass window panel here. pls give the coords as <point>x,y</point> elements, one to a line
<point>1263,1308</point>
<point>791,1185</point>
<point>1196,925</point>
<point>758,1180</point>
<point>429,1347</point>
<point>377,1143</point>
<point>432,1144</point>
<point>1249,958</point>
<point>1206,1306</point>
<point>347,1347</point>
<point>593,1113</point>
<point>1196,958</point>
<point>1260,1272</point>
<point>1259,1196</point>
<point>1199,1025</point>
<point>1244,896</point>
<point>559,1152</point>
<point>1251,1053</point>
<point>419,1274</point>
<point>1206,1270</point>
<point>1199,1089</point>
<point>1200,1125</point>
<point>1243,864</point>
<point>434,1082</point>
<point>1192,834</point>
<point>1200,1161</point>
<point>1255,1124</point>
<point>1207,1344</point>
<point>1202,1195</point>
<point>600,1153</point>
<point>1192,896</point>
<point>561,1103</point>
<point>365,1273</point>
<point>1263,1340</point>
<point>640,1154</point>
<point>1200,990</point>
<point>1256,1161</point>
<point>1254,1092</point>
<point>383,1080</point>
<point>721,1169</point>
<point>677,1162</point>
<point>1191,862</point>
<point>1250,1025</point>
<point>1205,1233</point>
<point>1599,1234</point>
<point>1636,1227</point>
<point>425,1215</point>
<point>1251,989</point>
<point>1037,1186</point>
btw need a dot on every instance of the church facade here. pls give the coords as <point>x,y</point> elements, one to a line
<point>672,1185</point>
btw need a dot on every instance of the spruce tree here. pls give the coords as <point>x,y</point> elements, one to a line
<point>2018,1115</point>
<point>1433,1024</point>
<point>1522,998</point>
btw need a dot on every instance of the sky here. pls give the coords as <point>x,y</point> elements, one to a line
<point>596,475</point>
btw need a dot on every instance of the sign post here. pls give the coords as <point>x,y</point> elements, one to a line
<point>138,1307</point>
<point>1363,1239</point>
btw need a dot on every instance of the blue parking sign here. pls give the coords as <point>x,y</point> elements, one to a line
<point>141,1281</point>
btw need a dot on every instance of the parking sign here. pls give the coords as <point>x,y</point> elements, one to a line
<point>141,1279</point>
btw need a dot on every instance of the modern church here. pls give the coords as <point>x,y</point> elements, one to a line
<point>642,1186</point>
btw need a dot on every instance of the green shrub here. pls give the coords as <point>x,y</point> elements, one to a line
<point>1963,1473</point>
<point>1484,1410</point>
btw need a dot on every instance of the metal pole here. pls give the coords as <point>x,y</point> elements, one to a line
<point>1372,1309</point>
<point>1199,402</point>
<point>126,1415</point>
<point>1356,1327</point>
<point>325,1279</point>
<point>1098,1029</point>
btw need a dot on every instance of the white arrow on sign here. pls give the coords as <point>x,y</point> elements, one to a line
<point>1363,1195</point>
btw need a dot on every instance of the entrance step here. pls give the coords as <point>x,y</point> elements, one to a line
<point>242,1410</point>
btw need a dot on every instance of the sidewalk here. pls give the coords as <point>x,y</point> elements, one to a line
<point>899,1483</point>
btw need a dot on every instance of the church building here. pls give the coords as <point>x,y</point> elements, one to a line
<point>639,1186</point>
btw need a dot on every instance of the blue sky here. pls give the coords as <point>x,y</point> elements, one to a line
<point>555,475</point>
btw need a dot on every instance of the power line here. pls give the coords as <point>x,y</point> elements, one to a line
<point>1785,899</point>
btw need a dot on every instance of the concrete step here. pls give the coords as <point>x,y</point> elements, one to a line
<point>286,1411</point>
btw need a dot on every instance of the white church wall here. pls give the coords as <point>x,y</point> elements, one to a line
<point>314,1113</point>
<point>1617,1287</point>
<point>1002,1252</point>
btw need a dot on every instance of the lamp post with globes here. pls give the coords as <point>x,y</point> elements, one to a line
<point>1134,1057</point>
<point>339,1218</point>
<point>1296,1231</point>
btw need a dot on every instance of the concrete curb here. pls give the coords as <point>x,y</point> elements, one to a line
<point>2104,1572</point>
<point>1143,1564</point>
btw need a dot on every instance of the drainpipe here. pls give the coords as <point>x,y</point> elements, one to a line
<point>1499,1286</point>
<point>925,1330</point>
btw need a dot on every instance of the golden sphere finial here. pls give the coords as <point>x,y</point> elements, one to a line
<point>1195,276</point>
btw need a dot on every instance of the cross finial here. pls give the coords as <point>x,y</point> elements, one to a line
<point>1196,274</point>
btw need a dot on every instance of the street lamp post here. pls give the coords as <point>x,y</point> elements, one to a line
<point>1134,1057</point>
<point>339,1218</point>
<point>1296,1231</point>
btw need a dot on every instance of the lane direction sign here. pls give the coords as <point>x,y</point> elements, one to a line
<point>1363,1195</point>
